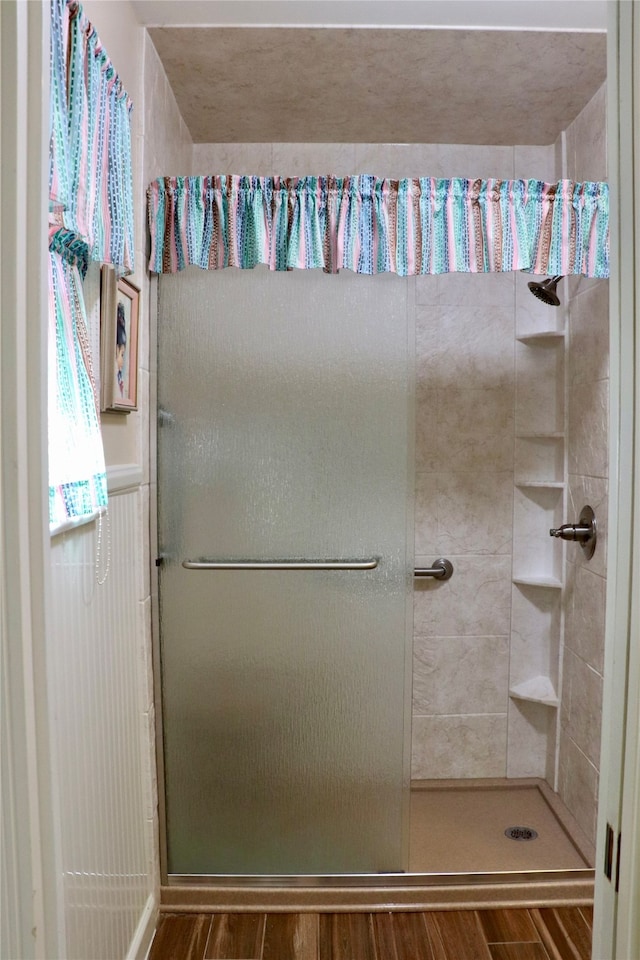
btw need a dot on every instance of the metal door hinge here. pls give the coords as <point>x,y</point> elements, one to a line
<point>608,852</point>
<point>609,847</point>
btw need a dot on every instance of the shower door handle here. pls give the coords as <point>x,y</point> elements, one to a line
<point>281,564</point>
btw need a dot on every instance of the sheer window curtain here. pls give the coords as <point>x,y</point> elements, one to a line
<point>90,218</point>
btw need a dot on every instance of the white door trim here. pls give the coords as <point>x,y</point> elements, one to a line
<point>627,942</point>
<point>28,820</point>
<point>616,915</point>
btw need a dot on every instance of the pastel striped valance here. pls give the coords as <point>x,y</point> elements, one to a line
<point>373,225</point>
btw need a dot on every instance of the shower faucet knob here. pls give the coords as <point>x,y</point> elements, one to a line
<point>572,531</point>
<point>584,532</point>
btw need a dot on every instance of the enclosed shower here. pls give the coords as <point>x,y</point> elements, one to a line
<point>491,694</point>
<point>288,455</point>
<point>323,441</point>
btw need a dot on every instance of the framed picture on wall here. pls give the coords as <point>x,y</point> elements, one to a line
<point>119,317</point>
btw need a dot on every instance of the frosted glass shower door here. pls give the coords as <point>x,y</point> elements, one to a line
<point>283,435</point>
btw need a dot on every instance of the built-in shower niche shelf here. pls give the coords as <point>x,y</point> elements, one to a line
<point>537,690</point>
<point>537,557</point>
<point>542,484</point>
<point>538,336</point>
<point>534,581</point>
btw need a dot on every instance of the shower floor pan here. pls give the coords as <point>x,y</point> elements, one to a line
<point>459,857</point>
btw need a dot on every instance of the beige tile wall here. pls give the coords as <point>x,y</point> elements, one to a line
<point>465,442</point>
<point>588,422</point>
<point>464,508</point>
<point>464,456</point>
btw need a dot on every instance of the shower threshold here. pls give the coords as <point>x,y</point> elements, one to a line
<point>372,892</point>
<point>459,858</point>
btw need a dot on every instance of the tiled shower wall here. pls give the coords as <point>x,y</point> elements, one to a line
<point>464,506</point>
<point>588,426</point>
<point>465,329</point>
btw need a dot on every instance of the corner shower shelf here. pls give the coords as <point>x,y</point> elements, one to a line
<point>541,484</point>
<point>540,335</point>
<point>539,501</point>
<point>537,690</point>
<point>551,582</point>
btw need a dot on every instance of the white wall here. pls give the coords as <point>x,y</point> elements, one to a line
<point>102,758</point>
<point>100,635</point>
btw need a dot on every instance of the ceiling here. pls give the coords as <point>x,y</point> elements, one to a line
<point>369,71</point>
<point>500,14</point>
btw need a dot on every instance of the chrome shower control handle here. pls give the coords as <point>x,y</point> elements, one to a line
<point>572,531</point>
<point>583,532</point>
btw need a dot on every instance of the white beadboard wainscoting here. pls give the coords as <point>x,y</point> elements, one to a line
<point>102,722</point>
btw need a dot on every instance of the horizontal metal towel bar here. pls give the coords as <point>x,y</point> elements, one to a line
<point>442,570</point>
<point>280,564</point>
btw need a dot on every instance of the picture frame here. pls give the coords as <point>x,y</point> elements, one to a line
<point>119,320</point>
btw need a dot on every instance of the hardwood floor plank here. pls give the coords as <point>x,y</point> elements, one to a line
<point>552,937</point>
<point>570,942</point>
<point>456,933</point>
<point>291,936</point>
<point>577,930</point>
<point>384,936</point>
<point>545,933</point>
<point>518,951</point>
<point>587,913</point>
<point>236,936</point>
<point>507,926</point>
<point>347,936</point>
<point>411,936</point>
<point>180,935</point>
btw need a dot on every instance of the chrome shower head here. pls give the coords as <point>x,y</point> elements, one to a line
<point>546,291</point>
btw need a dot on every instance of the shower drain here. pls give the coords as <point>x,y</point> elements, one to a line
<point>521,833</point>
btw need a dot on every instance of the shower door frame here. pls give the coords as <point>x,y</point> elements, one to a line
<point>260,881</point>
<point>296,891</point>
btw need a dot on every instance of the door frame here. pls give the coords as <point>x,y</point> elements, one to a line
<point>616,927</point>
<point>615,932</point>
<point>33,924</point>
<point>23,539</point>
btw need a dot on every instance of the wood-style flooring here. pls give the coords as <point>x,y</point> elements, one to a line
<point>561,933</point>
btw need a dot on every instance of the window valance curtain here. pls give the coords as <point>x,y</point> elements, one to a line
<point>90,218</point>
<point>372,225</point>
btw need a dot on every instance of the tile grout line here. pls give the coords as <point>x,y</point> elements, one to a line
<point>264,933</point>
<point>206,944</point>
